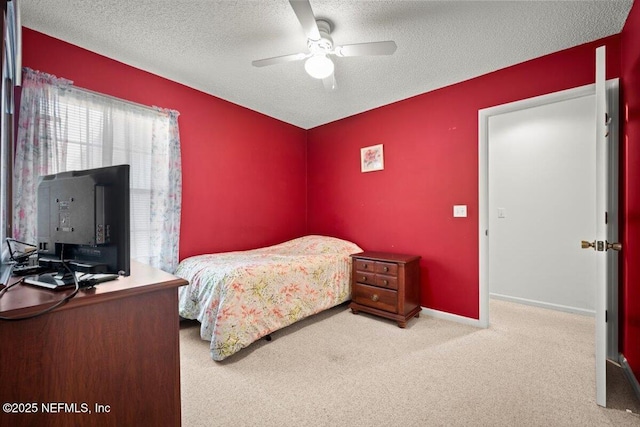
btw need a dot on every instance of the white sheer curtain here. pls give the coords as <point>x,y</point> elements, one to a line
<point>63,128</point>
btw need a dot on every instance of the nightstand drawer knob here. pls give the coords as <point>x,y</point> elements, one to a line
<point>365,266</point>
<point>386,269</point>
<point>364,278</point>
<point>374,297</point>
<point>385,282</point>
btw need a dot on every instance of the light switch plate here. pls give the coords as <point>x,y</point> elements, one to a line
<point>459,211</point>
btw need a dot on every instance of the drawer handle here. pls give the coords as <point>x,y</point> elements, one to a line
<point>385,282</point>
<point>386,269</point>
<point>364,278</point>
<point>374,297</point>
<point>365,266</point>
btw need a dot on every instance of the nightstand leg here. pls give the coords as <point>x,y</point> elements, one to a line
<point>402,325</point>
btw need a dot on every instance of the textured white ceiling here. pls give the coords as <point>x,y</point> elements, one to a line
<point>209,45</point>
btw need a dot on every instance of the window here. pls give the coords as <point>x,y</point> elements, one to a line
<point>66,128</point>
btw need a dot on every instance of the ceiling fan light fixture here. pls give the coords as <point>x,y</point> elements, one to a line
<point>319,66</point>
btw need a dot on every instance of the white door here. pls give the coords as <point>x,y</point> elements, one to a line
<point>603,244</point>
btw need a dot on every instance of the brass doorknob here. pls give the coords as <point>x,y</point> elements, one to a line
<point>586,245</point>
<point>614,246</point>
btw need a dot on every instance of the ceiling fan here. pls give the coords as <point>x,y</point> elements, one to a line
<point>320,44</point>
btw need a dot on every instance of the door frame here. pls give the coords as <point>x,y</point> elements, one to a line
<point>612,87</point>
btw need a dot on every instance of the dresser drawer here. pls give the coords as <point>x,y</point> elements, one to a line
<point>365,277</point>
<point>364,265</point>
<point>388,268</point>
<point>382,299</point>
<point>386,281</point>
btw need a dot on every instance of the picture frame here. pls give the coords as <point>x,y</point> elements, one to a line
<point>372,158</point>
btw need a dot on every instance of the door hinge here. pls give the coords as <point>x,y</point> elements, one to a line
<point>606,217</point>
<point>606,316</point>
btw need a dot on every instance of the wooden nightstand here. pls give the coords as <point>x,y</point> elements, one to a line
<point>386,284</point>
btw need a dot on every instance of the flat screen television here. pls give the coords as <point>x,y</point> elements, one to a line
<point>83,221</point>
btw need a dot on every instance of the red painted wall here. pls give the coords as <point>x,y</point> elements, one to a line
<point>630,182</point>
<point>431,163</point>
<point>244,174</point>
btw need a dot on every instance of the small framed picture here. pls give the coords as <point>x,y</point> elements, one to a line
<point>371,158</point>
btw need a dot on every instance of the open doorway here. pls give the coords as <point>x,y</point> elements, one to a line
<point>542,181</point>
<point>541,117</point>
<point>571,98</point>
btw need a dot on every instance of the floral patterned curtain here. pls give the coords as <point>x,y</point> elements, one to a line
<point>166,193</point>
<point>62,127</point>
<point>40,148</point>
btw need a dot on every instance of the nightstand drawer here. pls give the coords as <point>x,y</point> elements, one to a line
<point>386,281</point>
<point>364,277</point>
<point>390,269</point>
<point>382,299</point>
<point>364,265</point>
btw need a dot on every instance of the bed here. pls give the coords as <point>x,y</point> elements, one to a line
<point>239,297</point>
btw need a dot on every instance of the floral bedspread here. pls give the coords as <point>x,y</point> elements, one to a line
<point>239,297</point>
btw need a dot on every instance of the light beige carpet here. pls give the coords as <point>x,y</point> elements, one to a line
<point>532,367</point>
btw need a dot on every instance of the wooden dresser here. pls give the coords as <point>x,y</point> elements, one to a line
<point>108,357</point>
<point>386,284</point>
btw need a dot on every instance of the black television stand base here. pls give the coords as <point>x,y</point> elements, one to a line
<point>56,281</point>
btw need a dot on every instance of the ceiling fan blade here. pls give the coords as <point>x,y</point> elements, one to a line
<point>363,49</point>
<point>279,59</point>
<point>303,11</point>
<point>329,82</point>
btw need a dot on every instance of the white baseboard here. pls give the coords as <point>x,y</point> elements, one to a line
<point>629,374</point>
<point>542,304</point>
<point>476,322</point>
<point>451,317</point>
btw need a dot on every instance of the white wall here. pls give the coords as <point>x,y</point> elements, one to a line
<point>542,177</point>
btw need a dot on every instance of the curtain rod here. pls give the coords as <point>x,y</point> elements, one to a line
<point>115,98</point>
<point>69,85</point>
